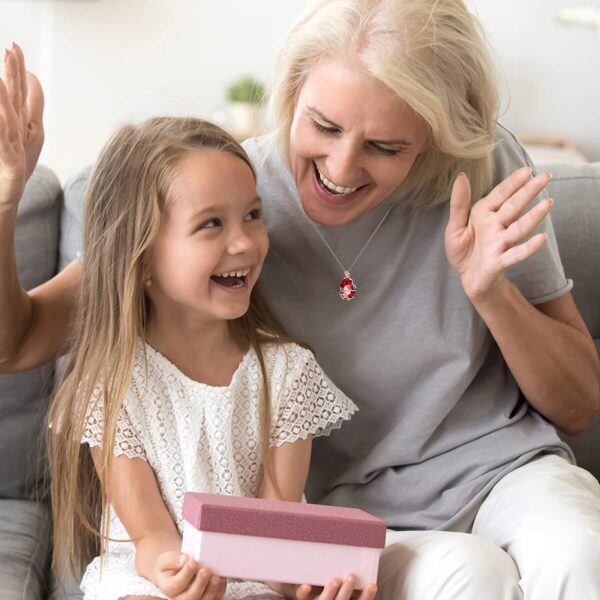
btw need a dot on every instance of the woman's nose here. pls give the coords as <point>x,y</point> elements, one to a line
<point>344,164</point>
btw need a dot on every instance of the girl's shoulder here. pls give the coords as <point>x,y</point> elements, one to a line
<point>285,355</point>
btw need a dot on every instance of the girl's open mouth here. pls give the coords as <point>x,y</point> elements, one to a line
<point>232,280</point>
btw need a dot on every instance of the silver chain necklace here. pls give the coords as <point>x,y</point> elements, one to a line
<point>347,287</point>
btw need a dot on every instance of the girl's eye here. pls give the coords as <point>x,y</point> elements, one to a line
<point>324,129</point>
<point>210,224</point>
<point>254,214</point>
<point>383,151</point>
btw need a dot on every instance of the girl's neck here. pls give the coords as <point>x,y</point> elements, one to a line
<point>205,352</point>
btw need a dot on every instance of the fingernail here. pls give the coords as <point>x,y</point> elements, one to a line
<point>461,174</point>
<point>214,580</point>
<point>548,175</point>
<point>551,201</point>
<point>182,559</point>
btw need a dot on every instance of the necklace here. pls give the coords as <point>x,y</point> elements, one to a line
<point>347,288</point>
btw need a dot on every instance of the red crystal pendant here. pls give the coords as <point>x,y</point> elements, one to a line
<point>347,287</point>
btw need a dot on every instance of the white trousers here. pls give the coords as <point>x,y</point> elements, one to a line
<point>535,537</point>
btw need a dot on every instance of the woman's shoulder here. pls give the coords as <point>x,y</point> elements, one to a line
<point>260,149</point>
<point>508,154</point>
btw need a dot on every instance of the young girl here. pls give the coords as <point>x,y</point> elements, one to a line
<point>179,376</point>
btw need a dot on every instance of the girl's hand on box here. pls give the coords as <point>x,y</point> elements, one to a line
<point>182,578</point>
<point>336,589</point>
<point>21,126</point>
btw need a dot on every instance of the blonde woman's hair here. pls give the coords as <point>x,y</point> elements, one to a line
<point>125,202</point>
<point>432,53</point>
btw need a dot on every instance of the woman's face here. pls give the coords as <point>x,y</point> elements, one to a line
<point>353,142</point>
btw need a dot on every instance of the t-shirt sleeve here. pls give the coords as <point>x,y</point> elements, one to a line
<point>541,277</point>
<point>127,441</point>
<point>308,402</point>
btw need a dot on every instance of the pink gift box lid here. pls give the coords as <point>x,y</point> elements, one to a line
<point>284,520</point>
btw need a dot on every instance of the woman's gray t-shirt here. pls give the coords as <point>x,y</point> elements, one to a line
<point>441,418</point>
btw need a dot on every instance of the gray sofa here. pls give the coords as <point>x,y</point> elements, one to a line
<point>48,237</point>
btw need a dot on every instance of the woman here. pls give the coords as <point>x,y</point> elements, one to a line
<point>447,311</point>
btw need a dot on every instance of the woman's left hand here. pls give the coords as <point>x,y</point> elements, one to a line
<point>483,241</point>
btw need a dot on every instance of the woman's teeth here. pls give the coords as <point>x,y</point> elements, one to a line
<point>331,187</point>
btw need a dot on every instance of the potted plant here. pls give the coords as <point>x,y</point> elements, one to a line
<point>245,98</point>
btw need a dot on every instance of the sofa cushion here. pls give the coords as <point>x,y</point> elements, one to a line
<point>71,220</point>
<point>23,396</point>
<point>576,217</point>
<point>24,549</point>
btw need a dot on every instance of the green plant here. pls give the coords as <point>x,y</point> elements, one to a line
<point>246,89</point>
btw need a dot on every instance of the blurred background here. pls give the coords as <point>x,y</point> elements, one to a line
<point>106,62</point>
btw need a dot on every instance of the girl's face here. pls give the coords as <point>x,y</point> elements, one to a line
<point>212,242</point>
<point>353,142</point>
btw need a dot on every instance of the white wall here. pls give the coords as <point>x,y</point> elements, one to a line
<point>552,71</point>
<point>103,62</point>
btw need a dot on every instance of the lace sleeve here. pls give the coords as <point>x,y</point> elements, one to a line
<point>310,403</point>
<point>127,441</point>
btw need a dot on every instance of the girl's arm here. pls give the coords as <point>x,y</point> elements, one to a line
<point>289,464</point>
<point>135,496</point>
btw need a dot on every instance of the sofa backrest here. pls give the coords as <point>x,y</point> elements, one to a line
<point>576,218</point>
<point>23,395</point>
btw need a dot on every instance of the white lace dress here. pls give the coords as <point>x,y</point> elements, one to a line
<point>205,439</point>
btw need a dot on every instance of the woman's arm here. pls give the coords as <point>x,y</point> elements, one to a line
<point>548,349</point>
<point>135,496</point>
<point>32,326</point>
<point>550,353</point>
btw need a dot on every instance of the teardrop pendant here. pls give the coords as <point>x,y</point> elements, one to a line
<point>347,287</point>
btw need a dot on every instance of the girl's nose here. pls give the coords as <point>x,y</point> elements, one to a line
<point>240,241</point>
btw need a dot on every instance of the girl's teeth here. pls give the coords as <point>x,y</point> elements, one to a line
<point>235,273</point>
<point>335,188</point>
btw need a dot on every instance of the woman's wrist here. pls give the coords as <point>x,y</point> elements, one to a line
<point>489,299</point>
<point>8,211</point>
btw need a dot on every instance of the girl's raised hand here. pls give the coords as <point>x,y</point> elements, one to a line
<point>21,126</point>
<point>181,578</point>
<point>482,241</point>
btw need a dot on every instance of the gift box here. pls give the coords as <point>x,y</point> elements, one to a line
<point>289,542</point>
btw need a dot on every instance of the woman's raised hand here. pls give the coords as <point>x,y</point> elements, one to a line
<point>21,126</point>
<point>181,578</point>
<point>483,241</point>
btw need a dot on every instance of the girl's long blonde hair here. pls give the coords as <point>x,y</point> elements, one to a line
<point>125,200</point>
<point>432,53</point>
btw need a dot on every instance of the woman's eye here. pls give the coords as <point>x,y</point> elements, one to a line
<point>254,214</point>
<point>325,129</point>
<point>383,151</point>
